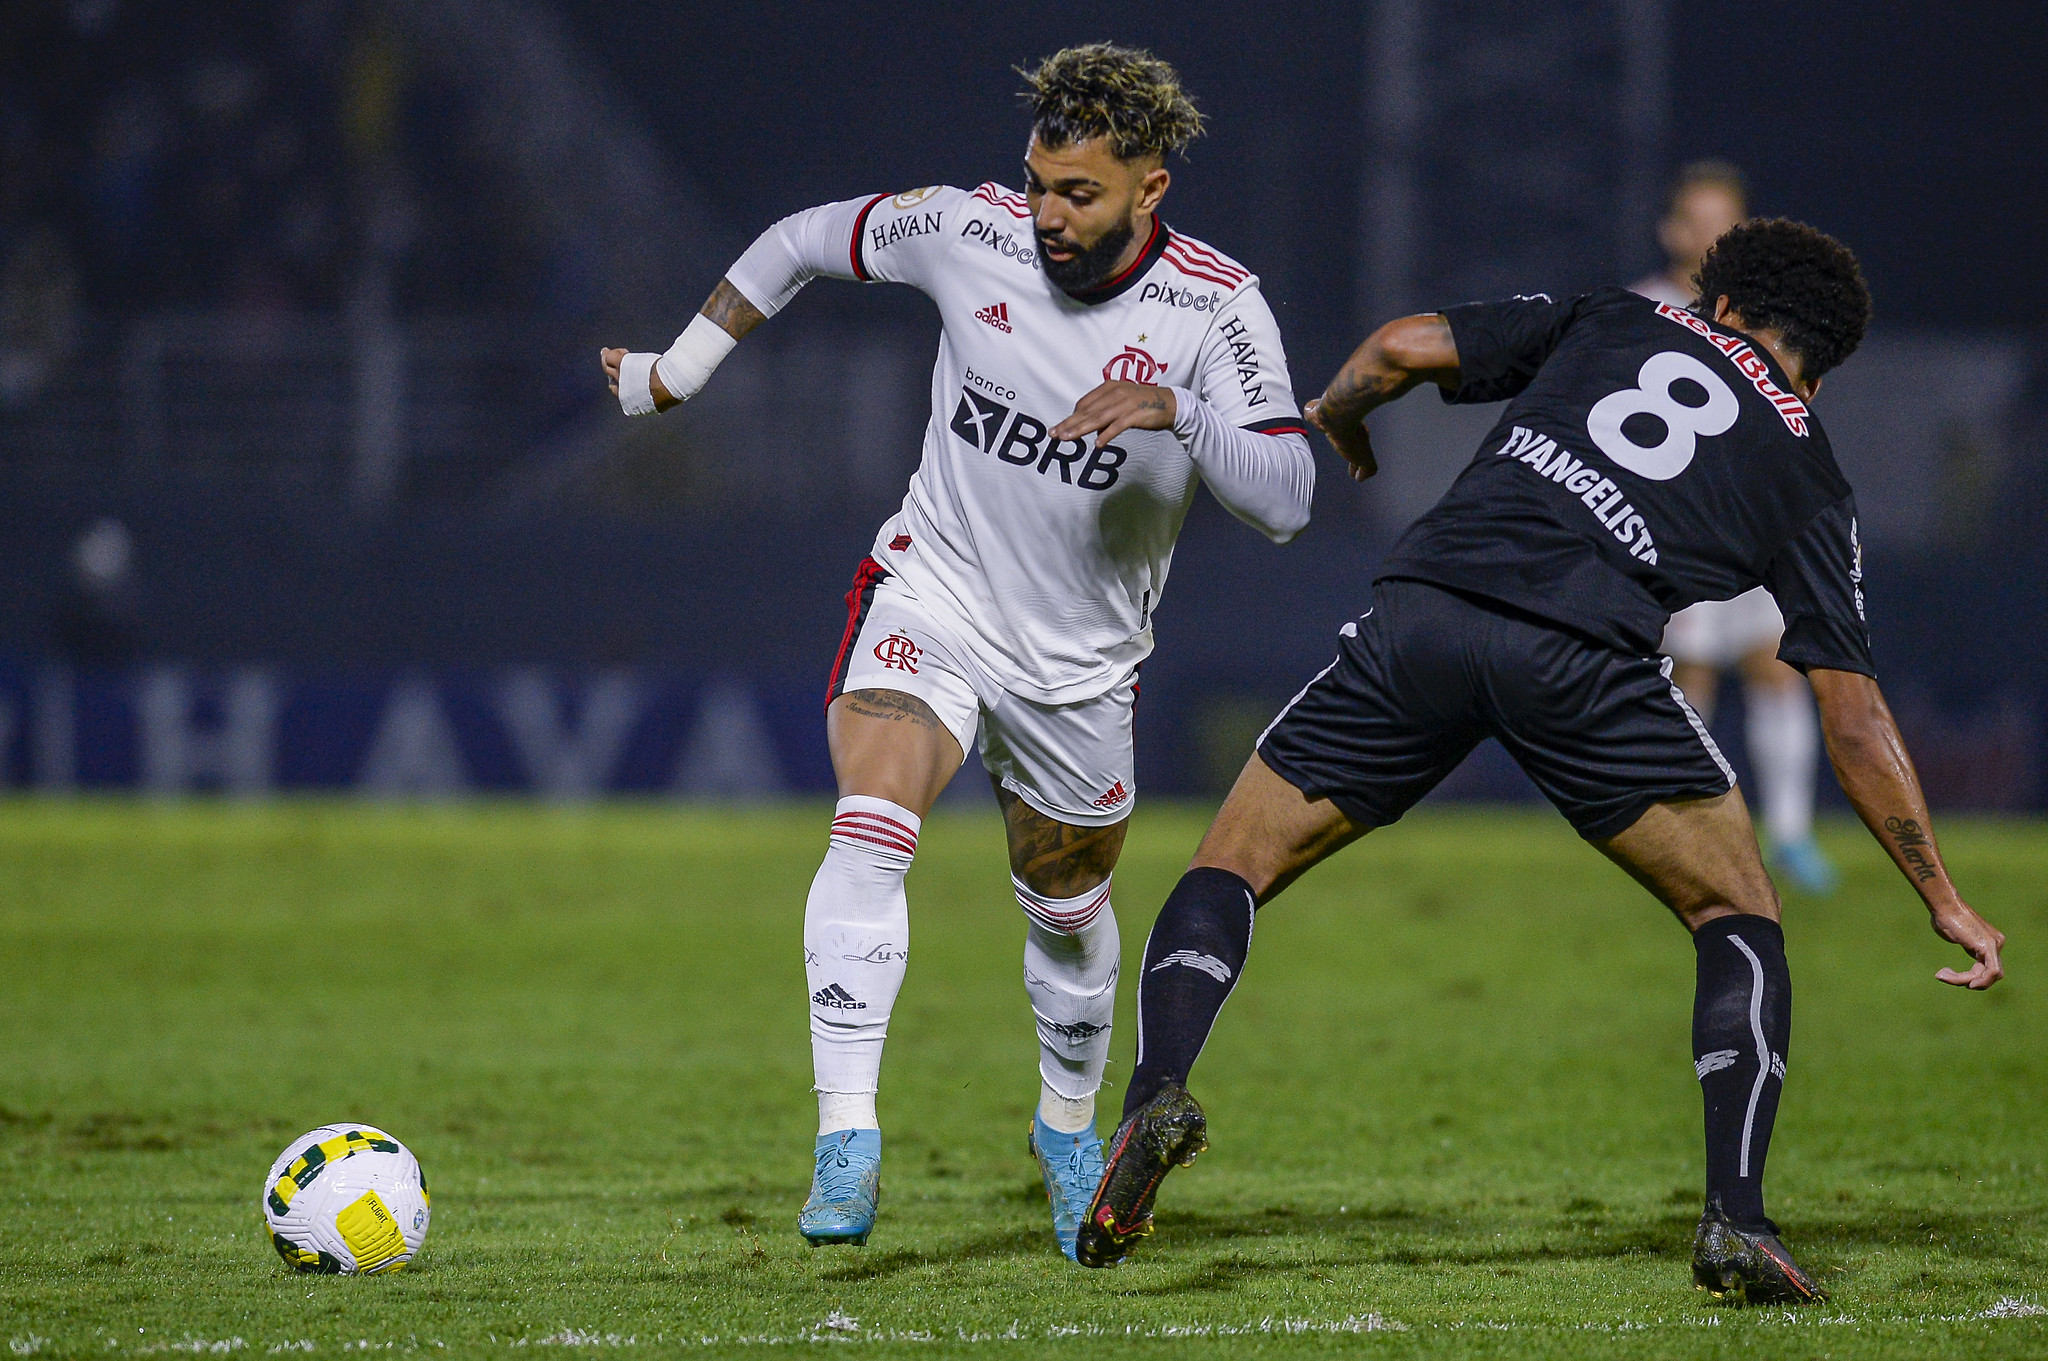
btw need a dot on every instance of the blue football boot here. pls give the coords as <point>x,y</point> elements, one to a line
<point>1807,866</point>
<point>1071,1165</point>
<point>846,1189</point>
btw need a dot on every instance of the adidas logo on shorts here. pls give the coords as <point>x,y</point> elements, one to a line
<point>832,995</point>
<point>996,314</point>
<point>1115,795</point>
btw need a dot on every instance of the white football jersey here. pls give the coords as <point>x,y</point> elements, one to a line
<point>1047,557</point>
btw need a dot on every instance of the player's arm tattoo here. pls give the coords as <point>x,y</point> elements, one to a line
<point>730,309</point>
<point>1056,858</point>
<point>892,706</point>
<point>1913,846</point>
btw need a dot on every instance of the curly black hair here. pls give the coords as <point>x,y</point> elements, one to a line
<point>1787,277</point>
<point>1101,90</point>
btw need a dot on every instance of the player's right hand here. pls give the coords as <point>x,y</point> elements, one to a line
<point>611,360</point>
<point>1352,441</point>
<point>1960,925</point>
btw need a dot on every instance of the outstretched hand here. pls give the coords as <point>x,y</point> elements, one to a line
<point>611,360</point>
<point>1114,407</point>
<point>1348,438</point>
<point>1961,925</point>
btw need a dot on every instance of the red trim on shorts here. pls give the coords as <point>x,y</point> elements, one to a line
<point>859,600</point>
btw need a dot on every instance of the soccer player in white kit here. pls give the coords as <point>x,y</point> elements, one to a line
<point>1094,365</point>
<point>1742,634</point>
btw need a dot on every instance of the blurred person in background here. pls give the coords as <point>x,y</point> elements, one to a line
<point>96,625</point>
<point>1742,634</point>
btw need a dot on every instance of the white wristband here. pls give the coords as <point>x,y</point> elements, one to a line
<point>689,363</point>
<point>636,398</point>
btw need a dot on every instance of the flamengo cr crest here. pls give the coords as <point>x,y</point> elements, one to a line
<point>1132,366</point>
<point>898,653</point>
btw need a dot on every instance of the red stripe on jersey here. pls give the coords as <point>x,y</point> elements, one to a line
<point>1013,202</point>
<point>1202,254</point>
<point>860,225</point>
<point>1194,272</point>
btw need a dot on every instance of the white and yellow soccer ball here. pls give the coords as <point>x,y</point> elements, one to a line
<point>346,1199</point>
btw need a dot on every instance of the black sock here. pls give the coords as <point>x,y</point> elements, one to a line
<point>1192,961</point>
<point>1741,1022</point>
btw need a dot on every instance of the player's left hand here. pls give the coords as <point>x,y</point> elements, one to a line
<point>611,359</point>
<point>1959,923</point>
<point>1113,408</point>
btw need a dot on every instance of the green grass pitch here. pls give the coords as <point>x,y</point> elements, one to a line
<point>1452,1105</point>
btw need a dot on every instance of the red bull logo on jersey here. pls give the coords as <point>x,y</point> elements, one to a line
<point>1790,409</point>
<point>1132,366</point>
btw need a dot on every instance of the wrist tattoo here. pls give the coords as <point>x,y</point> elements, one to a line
<point>1916,848</point>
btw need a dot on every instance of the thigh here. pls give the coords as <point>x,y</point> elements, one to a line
<point>901,704</point>
<point>1055,858</point>
<point>1603,734</point>
<point>1269,833</point>
<point>1699,857</point>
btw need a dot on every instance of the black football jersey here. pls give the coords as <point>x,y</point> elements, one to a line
<point>1647,459</point>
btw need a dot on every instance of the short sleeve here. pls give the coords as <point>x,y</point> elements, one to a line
<point>1502,344</point>
<point>1817,580</point>
<point>1244,369</point>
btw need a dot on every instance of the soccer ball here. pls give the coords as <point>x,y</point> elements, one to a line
<point>346,1199</point>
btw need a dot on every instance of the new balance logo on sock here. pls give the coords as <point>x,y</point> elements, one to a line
<point>1208,964</point>
<point>996,314</point>
<point>1074,1030</point>
<point>1715,1062</point>
<point>1778,1066</point>
<point>832,995</point>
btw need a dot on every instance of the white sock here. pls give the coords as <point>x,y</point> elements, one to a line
<point>1784,744</point>
<point>1062,1114</point>
<point>1070,963</point>
<point>856,951</point>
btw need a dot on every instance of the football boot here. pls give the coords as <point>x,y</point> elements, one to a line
<point>1166,1132</point>
<point>846,1189</point>
<point>1736,1265</point>
<point>1072,1166</point>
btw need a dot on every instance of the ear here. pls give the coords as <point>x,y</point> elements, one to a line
<point>1152,188</point>
<point>1722,311</point>
<point>1814,391</point>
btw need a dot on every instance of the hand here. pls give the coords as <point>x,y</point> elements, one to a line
<point>611,360</point>
<point>1960,925</point>
<point>1113,408</point>
<point>1348,439</point>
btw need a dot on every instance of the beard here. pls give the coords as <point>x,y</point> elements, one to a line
<point>1089,266</point>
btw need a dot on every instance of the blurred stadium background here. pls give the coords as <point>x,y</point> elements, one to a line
<point>308,479</point>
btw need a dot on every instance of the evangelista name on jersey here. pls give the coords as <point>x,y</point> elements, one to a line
<point>1046,556</point>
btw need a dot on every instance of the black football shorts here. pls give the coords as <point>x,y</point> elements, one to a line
<point>1427,674</point>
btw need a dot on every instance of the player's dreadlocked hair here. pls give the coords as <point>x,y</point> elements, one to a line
<point>1101,90</point>
<point>1787,277</point>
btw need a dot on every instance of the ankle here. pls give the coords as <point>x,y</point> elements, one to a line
<point>846,1110</point>
<point>1065,1115</point>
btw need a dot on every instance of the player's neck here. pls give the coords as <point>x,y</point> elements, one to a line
<point>1141,237</point>
<point>1774,344</point>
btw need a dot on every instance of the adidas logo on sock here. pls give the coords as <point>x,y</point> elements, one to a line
<point>996,314</point>
<point>832,995</point>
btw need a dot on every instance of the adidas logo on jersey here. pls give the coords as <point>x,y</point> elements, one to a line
<point>1116,795</point>
<point>832,995</point>
<point>996,314</point>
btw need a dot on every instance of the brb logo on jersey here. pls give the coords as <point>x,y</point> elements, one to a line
<point>1132,366</point>
<point>1024,441</point>
<point>898,653</point>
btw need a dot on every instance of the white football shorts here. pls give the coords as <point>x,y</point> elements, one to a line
<point>1720,633</point>
<point>1075,763</point>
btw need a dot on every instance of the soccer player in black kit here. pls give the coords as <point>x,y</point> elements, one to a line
<point>1650,456</point>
